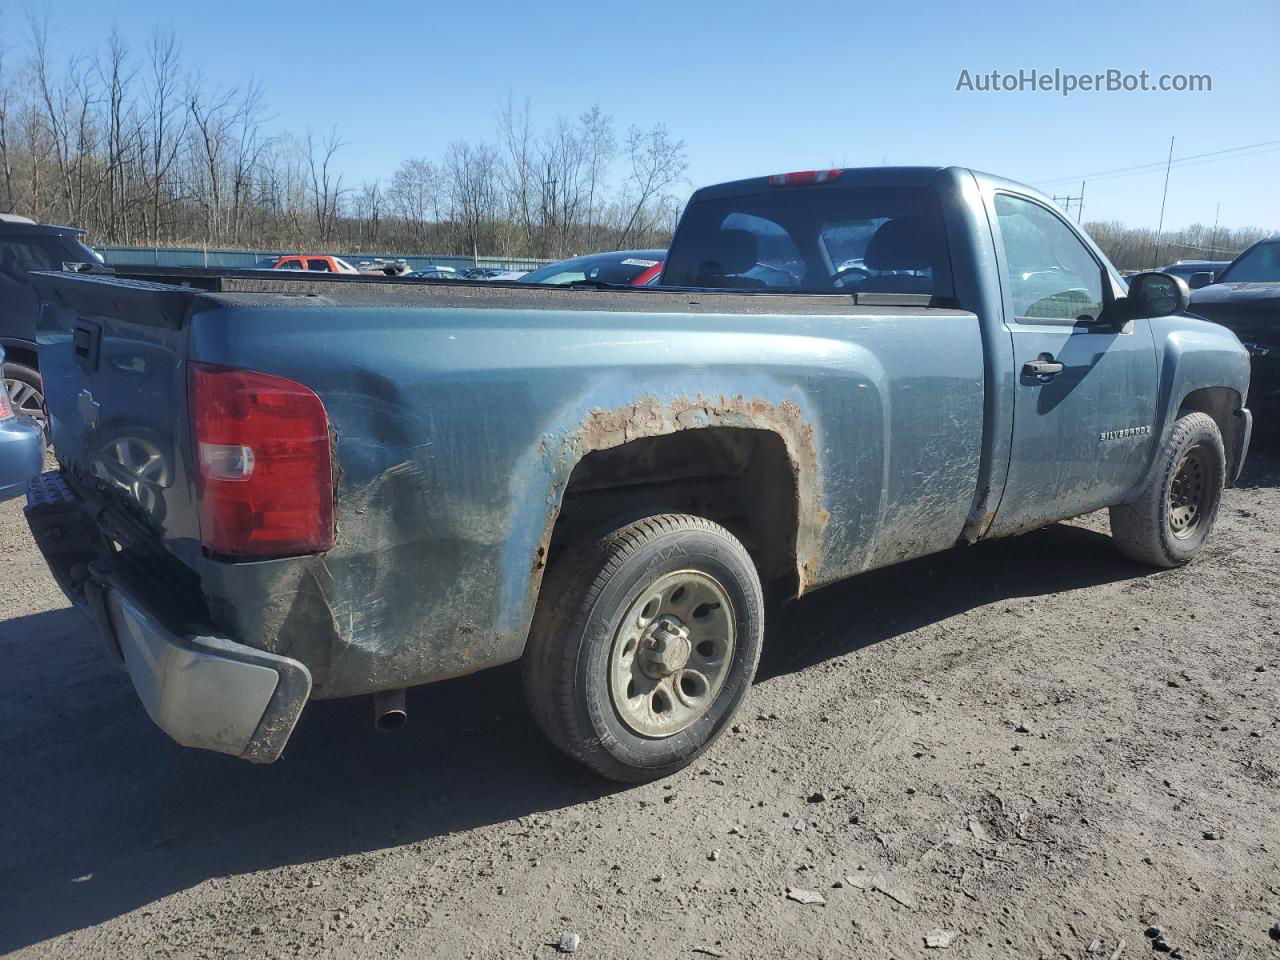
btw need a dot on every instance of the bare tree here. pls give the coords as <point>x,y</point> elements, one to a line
<point>415,196</point>
<point>656,163</point>
<point>326,182</point>
<point>167,128</point>
<point>599,147</point>
<point>213,117</point>
<point>515,133</point>
<point>6,155</point>
<point>470,176</point>
<point>367,212</point>
<point>116,77</point>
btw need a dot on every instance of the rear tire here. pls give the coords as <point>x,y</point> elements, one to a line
<point>1167,524</point>
<point>644,644</point>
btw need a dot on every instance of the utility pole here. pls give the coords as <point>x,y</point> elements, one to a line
<point>1165,196</point>
<point>1065,203</point>
<point>1080,206</point>
<point>1213,243</point>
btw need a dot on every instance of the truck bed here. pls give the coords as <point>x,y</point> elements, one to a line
<point>362,291</point>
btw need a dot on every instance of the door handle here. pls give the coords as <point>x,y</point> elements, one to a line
<point>1042,368</point>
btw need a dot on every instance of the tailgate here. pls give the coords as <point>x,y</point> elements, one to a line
<point>112,354</point>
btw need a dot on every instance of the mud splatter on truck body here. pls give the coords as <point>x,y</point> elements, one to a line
<point>459,416</point>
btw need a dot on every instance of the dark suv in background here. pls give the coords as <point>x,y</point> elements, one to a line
<point>25,246</point>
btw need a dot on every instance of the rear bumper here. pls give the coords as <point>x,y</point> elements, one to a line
<point>203,690</point>
<point>21,455</point>
<point>208,692</point>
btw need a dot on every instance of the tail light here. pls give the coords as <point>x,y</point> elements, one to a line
<point>265,471</point>
<point>6,406</point>
<point>803,176</point>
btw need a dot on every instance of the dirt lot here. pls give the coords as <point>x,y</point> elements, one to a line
<point>1032,744</point>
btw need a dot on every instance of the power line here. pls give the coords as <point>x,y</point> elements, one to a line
<point>1191,163</point>
<point>1160,164</point>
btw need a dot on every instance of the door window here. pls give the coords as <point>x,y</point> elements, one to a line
<point>318,265</point>
<point>1052,275</point>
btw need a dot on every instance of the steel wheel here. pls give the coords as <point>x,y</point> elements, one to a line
<point>671,653</point>
<point>1187,492</point>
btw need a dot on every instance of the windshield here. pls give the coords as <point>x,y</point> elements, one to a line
<point>33,251</point>
<point>839,239</point>
<point>1261,264</point>
<point>619,268</point>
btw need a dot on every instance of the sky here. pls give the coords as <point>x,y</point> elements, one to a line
<point>763,87</point>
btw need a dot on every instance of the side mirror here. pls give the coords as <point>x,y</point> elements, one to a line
<point>1198,280</point>
<point>1155,294</point>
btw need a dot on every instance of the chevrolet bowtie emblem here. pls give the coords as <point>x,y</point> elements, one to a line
<point>88,407</point>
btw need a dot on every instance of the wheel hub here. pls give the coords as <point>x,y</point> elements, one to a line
<point>664,648</point>
<point>671,653</point>
<point>1187,493</point>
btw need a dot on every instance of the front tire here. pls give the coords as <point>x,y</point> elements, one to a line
<point>644,644</point>
<point>1167,524</point>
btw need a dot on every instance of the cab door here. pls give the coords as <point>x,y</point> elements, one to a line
<point>1084,385</point>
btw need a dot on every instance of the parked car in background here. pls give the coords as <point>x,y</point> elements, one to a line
<point>601,481</point>
<point>1244,297</point>
<point>25,246</point>
<point>1186,269</point>
<point>21,447</point>
<point>636,268</point>
<point>480,273</point>
<point>380,266</point>
<point>434,273</point>
<point>314,262</point>
<point>508,276</point>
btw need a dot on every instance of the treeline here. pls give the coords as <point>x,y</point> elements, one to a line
<point>1136,248</point>
<point>137,147</point>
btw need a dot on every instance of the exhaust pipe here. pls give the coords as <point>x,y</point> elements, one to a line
<point>389,711</point>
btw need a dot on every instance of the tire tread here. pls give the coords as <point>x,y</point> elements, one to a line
<point>582,572</point>
<point>1138,527</point>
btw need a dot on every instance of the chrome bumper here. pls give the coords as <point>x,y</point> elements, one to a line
<point>208,692</point>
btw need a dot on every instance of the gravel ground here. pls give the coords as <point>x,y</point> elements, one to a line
<point>1032,745</point>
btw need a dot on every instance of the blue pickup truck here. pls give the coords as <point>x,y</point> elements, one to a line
<point>274,489</point>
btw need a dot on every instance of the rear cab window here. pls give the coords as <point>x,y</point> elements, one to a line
<point>815,239</point>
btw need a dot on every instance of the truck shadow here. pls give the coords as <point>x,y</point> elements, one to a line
<point>892,601</point>
<point>102,815</point>
<point>1262,468</point>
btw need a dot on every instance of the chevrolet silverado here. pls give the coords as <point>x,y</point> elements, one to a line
<point>275,489</point>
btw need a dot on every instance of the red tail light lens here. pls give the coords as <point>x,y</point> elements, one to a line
<point>265,471</point>
<point>803,176</point>
<point>6,406</point>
